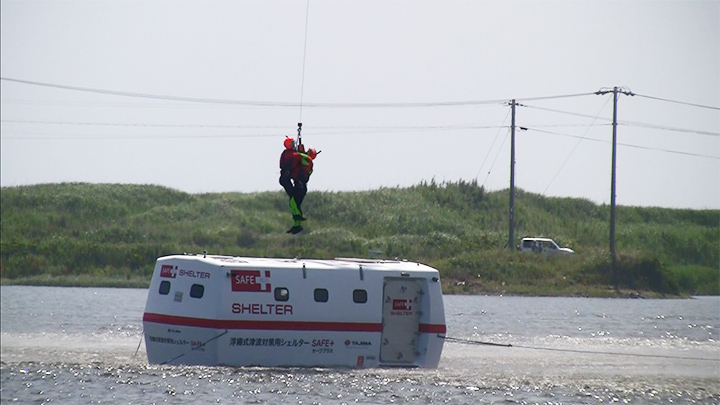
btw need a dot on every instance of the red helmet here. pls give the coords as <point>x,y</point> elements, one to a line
<point>289,143</point>
<point>312,153</point>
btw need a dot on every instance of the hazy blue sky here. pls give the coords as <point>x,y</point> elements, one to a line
<point>393,93</point>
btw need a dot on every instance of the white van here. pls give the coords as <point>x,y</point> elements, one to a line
<point>545,246</point>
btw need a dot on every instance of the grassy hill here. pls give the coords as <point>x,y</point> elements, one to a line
<point>111,234</point>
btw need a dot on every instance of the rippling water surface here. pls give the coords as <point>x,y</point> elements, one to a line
<point>82,345</point>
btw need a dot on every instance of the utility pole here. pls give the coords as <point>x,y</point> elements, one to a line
<point>613,253</point>
<point>613,194</point>
<point>511,234</point>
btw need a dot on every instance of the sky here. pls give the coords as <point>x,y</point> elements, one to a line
<point>198,96</point>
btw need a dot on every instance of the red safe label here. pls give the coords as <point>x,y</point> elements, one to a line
<point>250,280</point>
<point>168,271</point>
<point>401,305</point>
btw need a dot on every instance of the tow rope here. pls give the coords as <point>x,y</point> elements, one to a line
<point>473,342</point>
<point>478,342</point>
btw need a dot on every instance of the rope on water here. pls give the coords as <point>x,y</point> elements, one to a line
<point>139,343</point>
<point>477,342</point>
<point>472,342</point>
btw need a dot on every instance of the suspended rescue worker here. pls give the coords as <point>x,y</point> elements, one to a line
<point>287,161</point>
<point>304,172</point>
<point>296,166</point>
<point>289,175</point>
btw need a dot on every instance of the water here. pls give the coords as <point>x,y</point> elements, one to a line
<point>78,346</point>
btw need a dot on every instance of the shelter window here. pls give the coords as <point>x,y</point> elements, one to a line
<point>321,295</point>
<point>360,296</point>
<point>282,294</point>
<point>197,290</point>
<point>164,287</point>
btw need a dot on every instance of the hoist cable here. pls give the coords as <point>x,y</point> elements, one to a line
<point>302,81</point>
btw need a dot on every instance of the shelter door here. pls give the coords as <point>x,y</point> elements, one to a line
<point>401,320</point>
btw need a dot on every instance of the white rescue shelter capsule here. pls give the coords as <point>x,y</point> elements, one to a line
<point>240,311</point>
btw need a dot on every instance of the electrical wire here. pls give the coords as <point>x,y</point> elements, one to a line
<point>576,146</point>
<point>326,105</point>
<point>554,97</point>
<point>562,112</point>
<point>322,131</point>
<point>347,130</point>
<point>354,128</point>
<point>678,102</point>
<point>121,124</point>
<point>677,152</point>
<point>126,104</point>
<point>625,123</point>
<point>128,137</point>
<point>496,157</point>
<point>284,104</point>
<point>257,103</point>
<point>627,144</point>
<point>379,127</point>
<point>427,127</point>
<point>490,149</point>
<point>667,128</point>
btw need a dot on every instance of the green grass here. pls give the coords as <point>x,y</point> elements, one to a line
<point>111,234</point>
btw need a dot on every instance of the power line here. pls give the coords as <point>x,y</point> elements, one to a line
<point>490,149</point>
<point>152,96</point>
<point>627,123</point>
<point>669,151</point>
<point>121,124</point>
<point>325,105</point>
<point>554,97</point>
<point>286,104</point>
<point>575,147</point>
<point>347,130</point>
<point>667,128</point>
<point>122,104</point>
<point>593,117</point>
<point>331,131</point>
<point>258,103</point>
<point>348,127</point>
<point>679,102</point>
<point>626,144</point>
<point>127,137</point>
<point>319,127</point>
<point>496,156</point>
